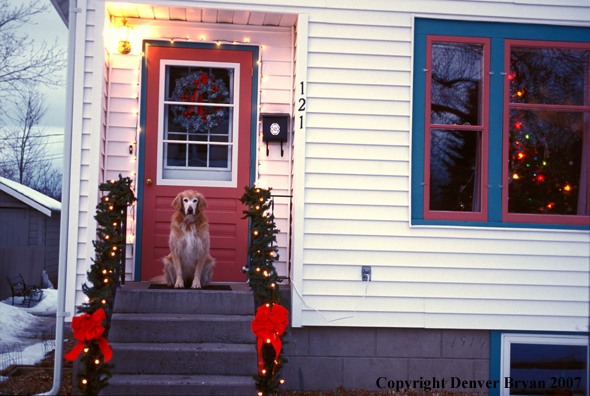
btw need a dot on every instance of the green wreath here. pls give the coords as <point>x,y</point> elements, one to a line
<point>199,87</point>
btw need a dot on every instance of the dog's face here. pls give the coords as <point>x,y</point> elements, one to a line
<point>190,203</point>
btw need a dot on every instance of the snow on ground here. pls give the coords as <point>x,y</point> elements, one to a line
<point>19,323</point>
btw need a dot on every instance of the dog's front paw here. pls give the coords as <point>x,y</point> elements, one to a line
<point>179,285</point>
<point>196,285</point>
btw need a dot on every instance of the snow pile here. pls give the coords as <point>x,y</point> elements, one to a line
<point>18,323</point>
<point>14,322</point>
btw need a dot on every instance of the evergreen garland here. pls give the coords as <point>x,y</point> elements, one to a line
<point>263,278</point>
<point>104,276</point>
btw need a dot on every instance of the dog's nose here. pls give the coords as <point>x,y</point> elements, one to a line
<point>190,210</point>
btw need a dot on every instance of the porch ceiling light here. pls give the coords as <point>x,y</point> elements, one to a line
<point>124,44</point>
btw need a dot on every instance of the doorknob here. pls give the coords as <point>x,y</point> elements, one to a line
<point>148,181</point>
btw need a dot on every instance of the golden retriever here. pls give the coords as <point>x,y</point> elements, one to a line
<point>189,259</point>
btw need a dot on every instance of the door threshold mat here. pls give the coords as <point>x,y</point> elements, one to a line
<point>208,287</point>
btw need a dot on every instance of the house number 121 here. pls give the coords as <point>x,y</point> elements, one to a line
<point>301,107</point>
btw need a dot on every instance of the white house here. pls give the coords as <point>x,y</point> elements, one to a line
<point>443,144</point>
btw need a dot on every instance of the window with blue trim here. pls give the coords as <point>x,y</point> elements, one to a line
<point>501,127</point>
<point>542,364</point>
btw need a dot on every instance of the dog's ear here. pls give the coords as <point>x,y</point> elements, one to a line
<point>177,203</point>
<point>202,203</point>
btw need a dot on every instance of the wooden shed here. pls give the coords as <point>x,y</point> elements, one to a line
<point>29,234</point>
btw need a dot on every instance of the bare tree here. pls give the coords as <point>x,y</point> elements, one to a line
<point>24,67</point>
<point>23,153</point>
<point>23,63</point>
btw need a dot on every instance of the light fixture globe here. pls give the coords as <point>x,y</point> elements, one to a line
<point>124,47</point>
<point>124,44</point>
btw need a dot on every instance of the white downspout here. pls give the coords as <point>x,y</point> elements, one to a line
<point>65,204</point>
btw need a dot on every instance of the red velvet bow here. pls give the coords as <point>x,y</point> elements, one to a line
<point>88,327</point>
<point>268,326</point>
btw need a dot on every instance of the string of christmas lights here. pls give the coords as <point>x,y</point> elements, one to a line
<point>104,275</point>
<point>271,317</point>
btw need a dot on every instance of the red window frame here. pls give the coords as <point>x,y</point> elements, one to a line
<point>539,218</point>
<point>482,214</point>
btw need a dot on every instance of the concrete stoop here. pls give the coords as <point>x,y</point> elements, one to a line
<point>182,342</point>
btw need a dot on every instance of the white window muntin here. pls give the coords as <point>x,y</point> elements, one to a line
<point>205,177</point>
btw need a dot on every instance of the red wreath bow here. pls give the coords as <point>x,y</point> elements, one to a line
<point>268,326</point>
<point>88,327</point>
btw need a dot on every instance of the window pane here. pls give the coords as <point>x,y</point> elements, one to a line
<point>175,154</point>
<point>199,84</point>
<point>549,75</point>
<point>197,119</point>
<point>218,157</point>
<point>455,170</point>
<point>540,362</point>
<point>456,84</point>
<point>548,162</point>
<point>197,155</point>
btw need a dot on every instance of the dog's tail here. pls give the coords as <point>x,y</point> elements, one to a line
<point>160,280</point>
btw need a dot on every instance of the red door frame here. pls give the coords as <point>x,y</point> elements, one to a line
<point>149,115</point>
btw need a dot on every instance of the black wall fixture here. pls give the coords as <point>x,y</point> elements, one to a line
<point>275,128</point>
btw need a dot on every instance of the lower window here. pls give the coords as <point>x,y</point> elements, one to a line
<point>544,365</point>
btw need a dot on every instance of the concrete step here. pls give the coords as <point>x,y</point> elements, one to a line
<point>128,384</point>
<point>175,328</point>
<point>184,359</point>
<point>213,302</point>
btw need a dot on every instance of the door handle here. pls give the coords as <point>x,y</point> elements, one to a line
<point>148,181</point>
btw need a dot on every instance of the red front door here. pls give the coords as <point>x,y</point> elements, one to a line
<point>197,136</point>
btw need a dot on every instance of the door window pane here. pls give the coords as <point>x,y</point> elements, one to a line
<point>175,154</point>
<point>199,84</point>
<point>457,80</point>
<point>455,166</point>
<point>197,135</point>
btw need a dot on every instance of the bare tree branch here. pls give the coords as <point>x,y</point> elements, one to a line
<point>23,148</point>
<point>22,63</point>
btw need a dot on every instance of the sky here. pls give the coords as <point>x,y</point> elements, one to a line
<point>48,27</point>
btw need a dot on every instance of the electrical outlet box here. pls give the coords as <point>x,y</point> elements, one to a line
<point>366,273</point>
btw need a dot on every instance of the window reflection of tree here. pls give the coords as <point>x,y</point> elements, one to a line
<point>548,75</point>
<point>552,76</point>
<point>454,170</point>
<point>456,79</point>
<point>552,142</point>
<point>455,99</point>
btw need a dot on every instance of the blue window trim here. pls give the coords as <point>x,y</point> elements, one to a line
<point>255,50</point>
<point>498,32</point>
<point>496,349</point>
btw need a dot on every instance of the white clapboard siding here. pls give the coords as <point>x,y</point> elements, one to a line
<point>357,196</point>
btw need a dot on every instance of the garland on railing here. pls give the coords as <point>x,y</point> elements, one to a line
<point>271,317</point>
<point>109,249</point>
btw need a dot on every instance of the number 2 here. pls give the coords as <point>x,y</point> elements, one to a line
<point>302,107</point>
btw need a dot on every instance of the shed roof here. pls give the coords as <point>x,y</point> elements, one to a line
<point>35,199</point>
